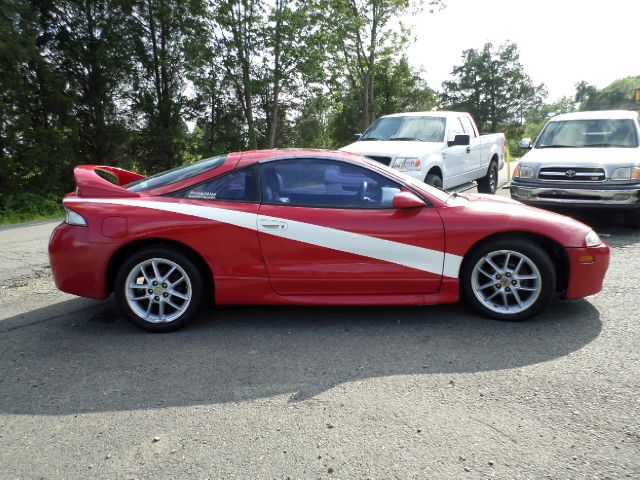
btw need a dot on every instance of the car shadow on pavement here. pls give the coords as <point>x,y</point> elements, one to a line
<point>90,359</point>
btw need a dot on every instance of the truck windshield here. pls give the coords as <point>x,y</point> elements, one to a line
<point>418,129</point>
<point>176,174</point>
<point>589,134</point>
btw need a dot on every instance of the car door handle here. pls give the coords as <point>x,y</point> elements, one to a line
<point>468,149</point>
<point>268,224</point>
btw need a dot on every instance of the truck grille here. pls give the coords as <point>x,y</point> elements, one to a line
<point>569,174</point>
<point>384,160</point>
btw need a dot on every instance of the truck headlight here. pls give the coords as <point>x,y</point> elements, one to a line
<point>74,218</point>
<point>523,172</point>
<point>406,163</point>
<point>592,239</point>
<point>626,173</point>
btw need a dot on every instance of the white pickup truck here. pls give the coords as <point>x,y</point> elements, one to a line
<point>442,149</point>
<point>583,159</point>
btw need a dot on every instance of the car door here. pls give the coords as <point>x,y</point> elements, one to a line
<point>458,161</point>
<point>328,227</point>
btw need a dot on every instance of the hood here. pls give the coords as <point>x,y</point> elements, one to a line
<point>393,149</point>
<point>584,157</point>
<point>496,214</point>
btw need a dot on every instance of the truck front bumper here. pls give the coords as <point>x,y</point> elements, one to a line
<point>598,196</point>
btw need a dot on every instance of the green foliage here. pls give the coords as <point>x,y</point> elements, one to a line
<point>491,84</point>
<point>619,95</point>
<point>22,207</point>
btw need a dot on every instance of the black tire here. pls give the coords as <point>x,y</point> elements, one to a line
<point>433,180</point>
<point>191,287</point>
<point>489,183</point>
<point>536,263</point>
<point>632,218</point>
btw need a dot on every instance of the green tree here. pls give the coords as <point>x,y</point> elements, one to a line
<point>491,85</point>
<point>619,95</point>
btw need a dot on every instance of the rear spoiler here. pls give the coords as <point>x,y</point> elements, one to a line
<point>90,184</point>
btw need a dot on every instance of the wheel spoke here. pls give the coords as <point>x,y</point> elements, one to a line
<point>492,295</point>
<point>171,285</point>
<point>175,293</point>
<point>525,277</point>
<point>160,309</point>
<point>171,304</point>
<point>492,264</point>
<point>505,300</point>
<point>146,314</point>
<point>144,274</point>
<point>486,285</point>
<point>156,271</point>
<point>143,297</point>
<point>485,273</point>
<point>516,295</point>
<point>171,270</point>
<point>517,269</point>
<point>527,289</point>
<point>506,261</point>
<point>141,286</point>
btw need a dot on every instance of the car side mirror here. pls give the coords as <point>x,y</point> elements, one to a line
<point>460,140</point>
<point>402,200</point>
<point>356,136</point>
<point>525,143</point>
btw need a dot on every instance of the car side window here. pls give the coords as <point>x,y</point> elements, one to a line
<point>238,185</point>
<point>468,128</point>
<point>454,128</point>
<point>325,183</point>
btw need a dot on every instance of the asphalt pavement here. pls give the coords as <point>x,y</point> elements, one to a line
<point>304,393</point>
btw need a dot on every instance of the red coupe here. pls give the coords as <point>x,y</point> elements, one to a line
<point>307,227</point>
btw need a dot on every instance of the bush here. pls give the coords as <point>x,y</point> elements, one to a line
<point>23,207</point>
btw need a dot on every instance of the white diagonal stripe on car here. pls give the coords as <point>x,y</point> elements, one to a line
<point>419,258</point>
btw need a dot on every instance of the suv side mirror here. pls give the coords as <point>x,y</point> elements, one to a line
<point>460,140</point>
<point>525,143</point>
<point>407,200</point>
<point>356,136</point>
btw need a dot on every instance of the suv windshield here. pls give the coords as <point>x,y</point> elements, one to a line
<point>589,133</point>
<point>419,129</point>
<point>176,174</point>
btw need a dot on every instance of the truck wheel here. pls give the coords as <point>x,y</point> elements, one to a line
<point>632,218</point>
<point>489,183</point>
<point>433,180</point>
<point>508,279</point>
<point>159,289</point>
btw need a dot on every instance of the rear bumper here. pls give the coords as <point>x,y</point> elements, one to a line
<point>585,276</point>
<point>600,196</point>
<point>79,267</point>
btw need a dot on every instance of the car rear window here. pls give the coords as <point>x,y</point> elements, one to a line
<point>176,174</point>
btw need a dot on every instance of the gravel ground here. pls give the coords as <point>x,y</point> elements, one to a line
<point>305,393</point>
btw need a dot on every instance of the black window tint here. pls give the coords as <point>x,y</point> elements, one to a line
<point>239,186</point>
<point>176,174</point>
<point>325,183</point>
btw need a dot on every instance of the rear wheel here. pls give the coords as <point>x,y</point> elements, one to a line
<point>509,279</point>
<point>159,289</point>
<point>489,183</point>
<point>433,180</point>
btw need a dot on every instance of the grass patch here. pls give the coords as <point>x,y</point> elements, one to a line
<point>28,207</point>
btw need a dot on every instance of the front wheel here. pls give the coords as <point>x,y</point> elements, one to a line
<point>510,279</point>
<point>489,183</point>
<point>159,289</point>
<point>632,218</point>
<point>433,180</point>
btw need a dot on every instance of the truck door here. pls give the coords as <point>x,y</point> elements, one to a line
<point>458,162</point>
<point>475,145</point>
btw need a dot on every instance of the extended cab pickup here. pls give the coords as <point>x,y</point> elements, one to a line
<point>442,149</point>
<point>584,159</point>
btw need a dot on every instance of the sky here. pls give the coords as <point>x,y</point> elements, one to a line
<point>561,42</point>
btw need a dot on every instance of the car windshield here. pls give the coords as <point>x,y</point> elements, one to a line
<point>592,133</point>
<point>176,174</point>
<point>418,129</point>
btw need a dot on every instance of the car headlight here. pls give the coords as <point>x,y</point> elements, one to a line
<point>592,239</point>
<point>523,172</point>
<point>74,218</point>
<point>406,163</point>
<point>626,173</point>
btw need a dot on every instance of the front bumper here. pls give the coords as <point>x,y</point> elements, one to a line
<point>617,196</point>
<point>586,276</point>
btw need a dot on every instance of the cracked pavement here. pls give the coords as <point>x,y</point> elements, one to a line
<point>305,393</point>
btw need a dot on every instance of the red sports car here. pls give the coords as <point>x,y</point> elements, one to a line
<point>307,227</point>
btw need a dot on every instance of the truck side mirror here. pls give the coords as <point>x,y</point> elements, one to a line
<point>460,140</point>
<point>525,143</point>
<point>356,136</point>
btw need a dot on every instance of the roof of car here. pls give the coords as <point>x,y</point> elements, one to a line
<point>595,115</point>
<point>427,114</point>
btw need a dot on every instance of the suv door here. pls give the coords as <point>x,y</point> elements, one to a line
<point>328,227</point>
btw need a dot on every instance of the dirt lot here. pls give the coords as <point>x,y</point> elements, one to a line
<point>425,393</point>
